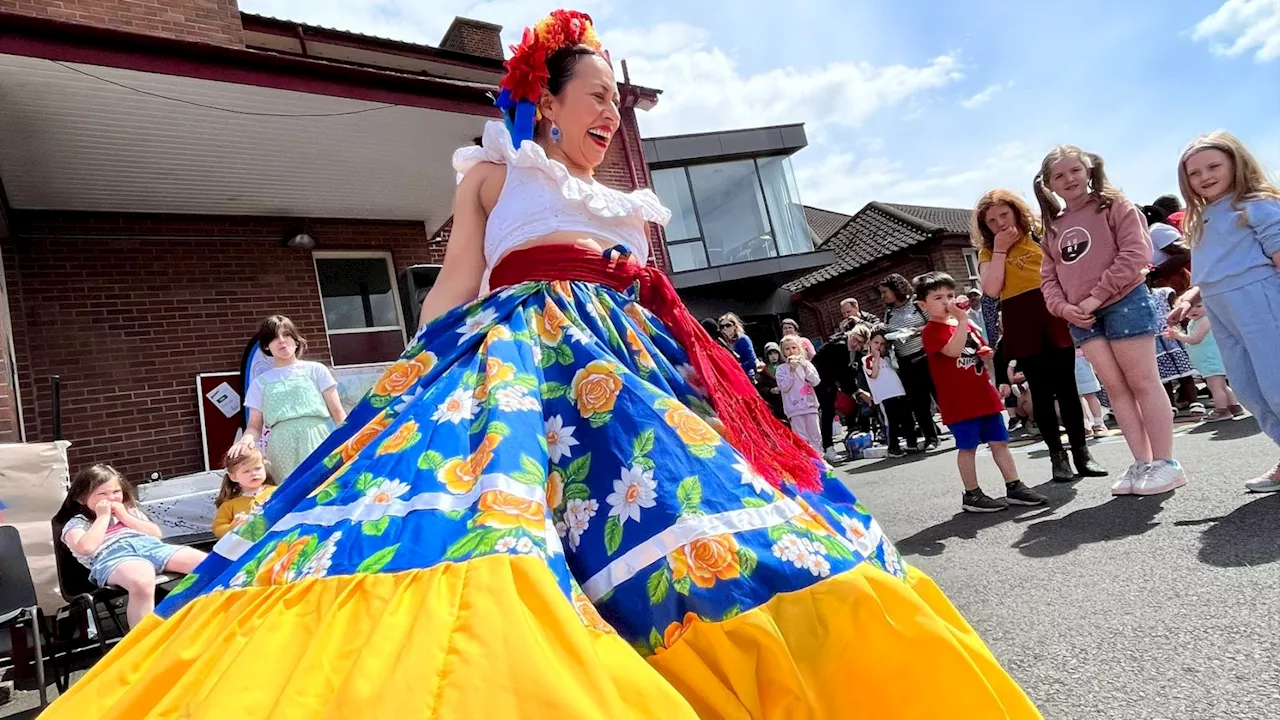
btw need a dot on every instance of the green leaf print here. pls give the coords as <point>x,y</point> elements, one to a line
<point>689,493</point>
<point>308,550</point>
<point>564,354</point>
<point>456,514</point>
<point>375,562</point>
<point>706,452</point>
<point>753,502</point>
<point>645,463</point>
<point>430,460</point>
<point>747,561</point>
<point>659,585</point>
<point>682,585</point>
<point>577,491</point>
<point>328,493</point>
<point>612,534</point>
<point>465,545</point>
<point>577,470</point>
<point>365,481</point>
<point>643,444</point>
<point>470,379</point>
<point>731,613</point>
<point>600,419</point>
<point>256,528</point>
<point>481,421</point>
<point>333,459</point>
<point>380,401</point>
<point>525,380</point>
<point>832,545</point>
<point>547,358</point>
<point>604,598</point>
<point>776,532</point>
<point>375,527</point>
<point>531,472</point>
<point>499,428</point>
<point>553,390</point>
<point>184,583</point>
<point>655,640</point>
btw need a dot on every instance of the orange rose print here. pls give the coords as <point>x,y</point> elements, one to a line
<point>810,519</point>
<point>550,323</point>
<point>641,352</point>
<point>496,372</point>
<point>588,613</point>
<point>400,439</point>
<point>459,475</point>
<point>496,333</point>
<point>692,429</point>
<point>595,388</point>
<point>555,489</point>
<point>403,374</point>
<point>676,630</point>
<point>275,569</point>
<point>502,510</point>
<point>706,560</point>
<point>634,312</point>
<point>365,436</point>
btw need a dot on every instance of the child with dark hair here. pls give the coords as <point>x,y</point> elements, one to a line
<point>959,361</point>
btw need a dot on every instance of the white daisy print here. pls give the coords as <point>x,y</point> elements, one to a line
<point>525,545</point>
<point>577,517</point>
<point>319,563</point>
<point>459,406</point>
<point>506,544</point>
<point>511,399</point>
<point>576,335</point>
<point>634,490</point>
<point>384,492</point>
<point>754,479</point>
<point>559,438</point>
<point>690,376</point>
<point>477,324</point>
<point>537,353</point>
<point>789,547</point>
<point>406,400</point>
<point>817,565</point>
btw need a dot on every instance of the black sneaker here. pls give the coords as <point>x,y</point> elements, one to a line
<point>896,451</point>
<point>977,501</point>
<point>1017,493</point>
<point>913,448</point>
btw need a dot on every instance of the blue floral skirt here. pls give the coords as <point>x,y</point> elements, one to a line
<point>533,514</point>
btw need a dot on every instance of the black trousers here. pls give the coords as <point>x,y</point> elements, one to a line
<point>901,425</point>
<point>1051,376</point>
<point>916,380</point>
<point>826,416</point>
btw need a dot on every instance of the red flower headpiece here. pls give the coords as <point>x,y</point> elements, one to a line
<point>527,74</point>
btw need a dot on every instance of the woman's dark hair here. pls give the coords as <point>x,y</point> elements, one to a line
<point>1170,204</point>
<point>897,285</point>
<point>1155,214</point>
<point>562,63</point>
<point>711,326</point>
<point>879,330</point>
<point>85,482</point>
<point>279,326</point>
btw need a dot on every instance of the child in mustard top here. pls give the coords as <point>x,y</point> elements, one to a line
<point>246,483</point>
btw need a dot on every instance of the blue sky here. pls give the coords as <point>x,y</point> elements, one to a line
<point>922,101</point>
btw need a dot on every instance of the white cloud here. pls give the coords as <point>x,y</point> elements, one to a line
<point>1241,26</point>
<point>981,98</point>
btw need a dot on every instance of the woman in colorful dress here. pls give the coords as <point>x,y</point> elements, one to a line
<point>565,500</point>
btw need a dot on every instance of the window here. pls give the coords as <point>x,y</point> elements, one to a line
<point>971,264</point>
<point>731,206</point>
<point>362,314</point>
<point>684,237</point>
<point>783,198</point>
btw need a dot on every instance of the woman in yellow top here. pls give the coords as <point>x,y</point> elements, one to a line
<point>246,484</point>
<point>1004,232</point>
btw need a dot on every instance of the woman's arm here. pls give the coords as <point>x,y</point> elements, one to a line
<point>746,352</point>
<point>334,404</point>
<point>464,263</point>
<point>251,434</point>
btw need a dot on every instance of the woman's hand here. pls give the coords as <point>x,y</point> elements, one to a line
<point>1006,238</point>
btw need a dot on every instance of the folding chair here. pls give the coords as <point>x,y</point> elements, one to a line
<point>18,603</point>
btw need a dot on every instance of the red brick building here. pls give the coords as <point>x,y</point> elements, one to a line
<point>881,239</point>
<point>154,160</point>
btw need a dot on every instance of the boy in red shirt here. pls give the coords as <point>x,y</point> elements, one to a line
<point>959,361</point>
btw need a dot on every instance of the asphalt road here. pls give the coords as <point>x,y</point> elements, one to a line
<point>1133,608</point>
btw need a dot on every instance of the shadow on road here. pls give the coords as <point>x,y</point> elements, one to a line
<point>1119,518</point>
<point>1228,429</point>
<point>1247,536</point>
<point>965,526</point>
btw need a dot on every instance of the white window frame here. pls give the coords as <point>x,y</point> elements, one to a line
<point>971,263</point>
<point>317,255</point>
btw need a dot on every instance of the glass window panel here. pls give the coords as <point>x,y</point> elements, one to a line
<point>783,198</point>
<point>687,256</point>
<point>356,293</point>
<point>672,188</point>
<point>731,208</point>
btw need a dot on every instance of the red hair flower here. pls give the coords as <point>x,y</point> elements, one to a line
<point>527,74</point>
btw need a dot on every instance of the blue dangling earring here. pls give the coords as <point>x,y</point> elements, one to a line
<point>555,133</point>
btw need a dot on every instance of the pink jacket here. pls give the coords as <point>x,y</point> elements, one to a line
<point>796,385</point>
<point>1088,253</point>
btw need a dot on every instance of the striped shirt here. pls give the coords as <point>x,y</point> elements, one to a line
<point>906,317</point>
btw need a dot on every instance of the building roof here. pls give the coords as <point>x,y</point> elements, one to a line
<point>879,230</point>
<point>675,150</point>
<point>824,223</point>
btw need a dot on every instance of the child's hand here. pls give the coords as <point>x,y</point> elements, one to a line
<point>986,352</point>
<point>102,508</point>
<point>1005,391</point>
<point>1075,316</point>
<point>958,308</point>
<point>1170,334</point>
<point>1006,238</point>
<point>119,510</point>
<point>1089,304</point>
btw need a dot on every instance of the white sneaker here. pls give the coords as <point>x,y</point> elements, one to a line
<point>1124,486</point>
<point>832,455</point>
<point>1162,476</point>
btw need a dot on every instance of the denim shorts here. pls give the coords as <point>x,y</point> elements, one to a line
<point>1133,315</point>
<point>971,433</point>
<point>137,547</point>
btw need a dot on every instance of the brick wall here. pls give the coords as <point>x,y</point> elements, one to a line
<point>128,309</point>
<point>9,430</point>
<point>818,308</point>
<point>474,38</point>
<point>213,21</point>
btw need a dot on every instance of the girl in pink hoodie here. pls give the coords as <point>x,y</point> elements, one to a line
<point>1096,253</point>
<point>796,379</point>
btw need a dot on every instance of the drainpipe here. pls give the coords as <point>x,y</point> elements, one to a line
<point>628,99</point>
<point>302,40</point>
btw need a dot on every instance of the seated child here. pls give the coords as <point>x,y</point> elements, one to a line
<point>245,484</point>
<point>119,545</point>
<point>971,406</point>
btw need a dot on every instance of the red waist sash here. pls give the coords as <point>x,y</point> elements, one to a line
<point>770,447</point>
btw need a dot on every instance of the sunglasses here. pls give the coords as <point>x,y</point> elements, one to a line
<point>725,325</point>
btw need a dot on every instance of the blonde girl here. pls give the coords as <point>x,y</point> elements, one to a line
<point>1096,252</point>
<point>245,484</point>
<point>796,379</point>
<point>1233,227</point>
